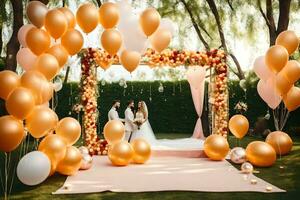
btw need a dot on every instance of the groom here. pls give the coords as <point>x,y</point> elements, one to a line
<point>129,120</point>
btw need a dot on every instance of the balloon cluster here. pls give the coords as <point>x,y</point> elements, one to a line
<point>27,96</point>
<point>258,153</point>
<point>278,74</point>
<point>120,152</point>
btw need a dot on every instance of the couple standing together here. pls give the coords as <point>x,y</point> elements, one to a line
<point>136,123</point>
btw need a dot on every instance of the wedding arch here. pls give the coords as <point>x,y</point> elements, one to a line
<point>214,61</point>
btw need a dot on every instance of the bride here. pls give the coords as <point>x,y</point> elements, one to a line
<point>145,131</point>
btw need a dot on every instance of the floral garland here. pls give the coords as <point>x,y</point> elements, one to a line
<point>89,94</point>
<point>92,58</point>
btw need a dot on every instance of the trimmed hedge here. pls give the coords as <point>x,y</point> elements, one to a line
<point>171,111</point>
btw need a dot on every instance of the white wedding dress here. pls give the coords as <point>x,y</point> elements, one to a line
<point>145,131</point>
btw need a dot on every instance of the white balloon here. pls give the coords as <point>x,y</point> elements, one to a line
<point>167,24</point>
<point>133,37</point>
<point>33,168</point>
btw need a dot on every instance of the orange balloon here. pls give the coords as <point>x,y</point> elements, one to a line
<point>69,129</point>
<point>11,133</point>
<point>87,17</point>
<point>47,65</point>
<point>149,21</point>
<point>38,40</point>
<point>69,16</point>
<point>283,85</point>
<point>9,81</point>
<point>160,39</point>
<point>130,60</point>
<point>109,15</point>
<point>41,121</point>
<point>71,162</point>
<point>238,125</point>
<point>276,58</point>
<point>292,99</point>
<point>36,12</point>
<point>54,147</point>
<point>289,40</point>
<point>111,41</point>
<point>60,53</point>
<point>72,40</point>
<point>120,153</point>
<point>104,64</point>
<point>292,71</point>
<point>37,83</point>
<point>260,154</point>
<point>280,141</point>
<point>114,131</point>
<point>216,147</point>
<point>142,150</point>
<point>56,23</point>
<point>20,103</point>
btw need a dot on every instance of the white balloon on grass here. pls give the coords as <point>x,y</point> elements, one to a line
<point>33,168</point>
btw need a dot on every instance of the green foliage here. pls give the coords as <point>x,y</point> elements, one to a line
<point>171,111</point>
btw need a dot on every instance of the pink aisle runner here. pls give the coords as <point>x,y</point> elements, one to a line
<point>163,174</point>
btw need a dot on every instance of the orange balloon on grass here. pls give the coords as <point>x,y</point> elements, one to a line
<point>120,153</point>
<point>113,131</point>
<point>260,154</point>
<point>238,125</point>
<point>71,163</point>
<point>216,147</point>
<point>280,141</point>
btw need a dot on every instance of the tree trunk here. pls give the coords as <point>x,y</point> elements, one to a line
<point>213,8</point>
<point>1,39</point>
<point>13,44</point>
<point>99,3</point>
<point>284,13</point>
<point>195,25</point>
<point>283,20</point>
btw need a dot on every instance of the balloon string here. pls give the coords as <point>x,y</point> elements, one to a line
<point>5,176</point>
<point>15,166</point>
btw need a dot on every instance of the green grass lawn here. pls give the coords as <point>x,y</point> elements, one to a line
<point>287,178</point>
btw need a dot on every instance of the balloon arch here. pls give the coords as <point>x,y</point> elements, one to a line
<point>214,60</point>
